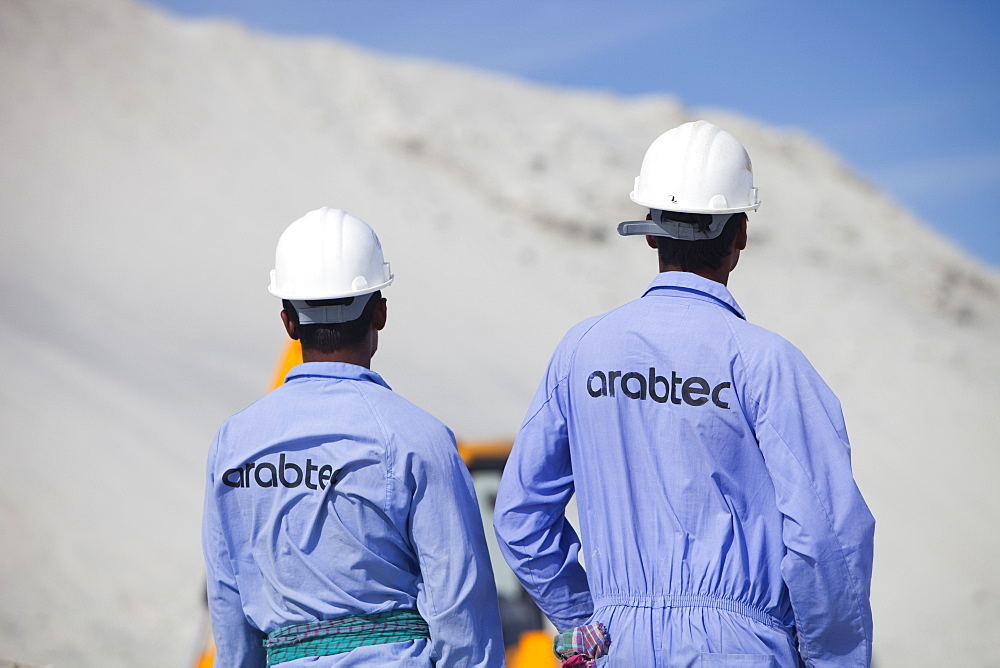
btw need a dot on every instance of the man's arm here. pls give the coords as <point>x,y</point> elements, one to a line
<point>535,537</point>
<point>237,643</point>
<point>458,597</point>
<point>828,530</point>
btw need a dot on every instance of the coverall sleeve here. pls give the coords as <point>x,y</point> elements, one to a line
<point>536,539</point>
<point>827,530</point>
<point>237,643</point>
<point>458,597</point>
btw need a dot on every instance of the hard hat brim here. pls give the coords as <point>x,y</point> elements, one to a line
<point>671,229</point>
<point>662,226</point>
<point>682,208</point>
<point>308,296</point>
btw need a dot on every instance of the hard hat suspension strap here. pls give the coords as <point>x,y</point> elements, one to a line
<point>311,313</point>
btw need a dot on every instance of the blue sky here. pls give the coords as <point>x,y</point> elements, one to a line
<point>908,93</point>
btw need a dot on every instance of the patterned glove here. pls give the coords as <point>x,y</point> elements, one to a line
<point>579,647</point>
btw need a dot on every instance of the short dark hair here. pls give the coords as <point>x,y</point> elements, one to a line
<point>700,254</point>
<point>328,338</point>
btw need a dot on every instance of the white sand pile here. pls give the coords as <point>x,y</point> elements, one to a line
<point>147,166</point>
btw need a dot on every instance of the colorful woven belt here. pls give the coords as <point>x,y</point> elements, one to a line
<point>336,636</point>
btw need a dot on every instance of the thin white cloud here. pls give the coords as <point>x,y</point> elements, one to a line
<point>950,177</point>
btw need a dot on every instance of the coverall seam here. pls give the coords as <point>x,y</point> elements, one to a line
<point>419,552</point>
<point>829,519</point>
<point>572,356</point>
<point>826,512</point>
<point>741,358</point>
<point>562,375</point>
<point>248,626</point>
<point>530,572</point>
<point>387,449</point>
<point>697,295</point>
<point>223,539</point>
<point>747,610</point>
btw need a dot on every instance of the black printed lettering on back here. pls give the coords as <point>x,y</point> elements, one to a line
<point>691,391</point>
<point>284,473</point>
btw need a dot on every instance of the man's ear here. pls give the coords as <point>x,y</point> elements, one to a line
<point>290,326</point>
<point>380,314</point>
<point>741,235</point>
<point>651,240</point>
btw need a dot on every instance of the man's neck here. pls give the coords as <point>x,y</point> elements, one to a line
<point>717,275</point>
<point>355,355</point>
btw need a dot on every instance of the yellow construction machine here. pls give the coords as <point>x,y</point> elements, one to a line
<point>527,635</point>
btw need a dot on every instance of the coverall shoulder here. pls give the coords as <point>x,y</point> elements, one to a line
<point>719,516</point>
<point>334,496</point>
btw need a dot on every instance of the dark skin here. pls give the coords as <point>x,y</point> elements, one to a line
<point>720,275</point>
<point>359,354</point>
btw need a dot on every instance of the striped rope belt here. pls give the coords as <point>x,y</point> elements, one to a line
<point>336,636</point>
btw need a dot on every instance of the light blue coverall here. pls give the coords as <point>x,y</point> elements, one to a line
<point>332,496</point>
<point>720,521</point>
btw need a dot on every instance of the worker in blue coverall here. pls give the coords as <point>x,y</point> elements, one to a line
<point>720,521</point>
<point>341,527</point>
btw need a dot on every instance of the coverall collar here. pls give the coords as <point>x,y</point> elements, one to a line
<point>693,286</point>
<point>340,370</point>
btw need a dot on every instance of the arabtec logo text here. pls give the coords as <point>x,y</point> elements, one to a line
<point>693,391</point>
<point>266,474</point>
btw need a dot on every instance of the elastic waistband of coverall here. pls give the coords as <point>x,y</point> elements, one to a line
<point>343,634</point>
<point>689,601</point>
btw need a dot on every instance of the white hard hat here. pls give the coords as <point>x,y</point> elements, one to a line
<point>328,254</point>
<point>695,168</point>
